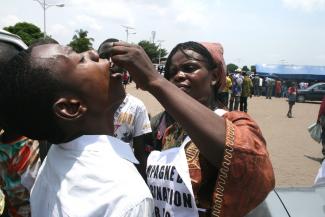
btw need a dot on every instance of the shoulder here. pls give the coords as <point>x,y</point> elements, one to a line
<point>134,101</point>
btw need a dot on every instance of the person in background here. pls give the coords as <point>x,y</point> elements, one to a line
<point>278,88</point>
<point>246,92</point>
<point>256,80</point>
<point>19,155</point>
<point>284,89</point>
<point>292,93</point>
<point>237,81</point>
<point>125,79</point>
<point>131,120</point>
<point>224,95</point>
<point>64,97</point>
<point>269,87</point>
<point>209,156</point>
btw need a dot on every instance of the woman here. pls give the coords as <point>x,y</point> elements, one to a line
<point>292,93</point>
<point>225,169</point>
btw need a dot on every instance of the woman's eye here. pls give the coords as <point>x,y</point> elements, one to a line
<point>189,68</point>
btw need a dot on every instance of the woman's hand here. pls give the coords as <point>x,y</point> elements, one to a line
<point>134,59</point>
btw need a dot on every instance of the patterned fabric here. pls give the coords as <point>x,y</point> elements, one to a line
<point>18,160</point>
<point>2,202</point>
<point>245,176</point>
<point>237,81</point>
<point>131,120</point>
<point>247,87</point>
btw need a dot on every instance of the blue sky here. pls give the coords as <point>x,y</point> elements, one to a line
<point>251,31</point>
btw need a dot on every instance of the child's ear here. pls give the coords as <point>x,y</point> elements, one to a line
<point>69,109</point>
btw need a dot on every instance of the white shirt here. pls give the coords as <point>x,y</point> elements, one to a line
<point>131,119</point>
<point>90,176</point>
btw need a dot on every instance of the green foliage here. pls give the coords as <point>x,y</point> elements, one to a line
<point>81,42</point>
<point>27,31</point>
<point>245,69</point>
<point>231,67</point>
<point>153,50</point>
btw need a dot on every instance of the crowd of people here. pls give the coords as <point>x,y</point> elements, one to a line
<point>105,157</point>
<point>241,85</point>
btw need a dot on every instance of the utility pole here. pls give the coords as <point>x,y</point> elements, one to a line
<point>153,35</point>
<point>159,41</point>
<point>127,30</point>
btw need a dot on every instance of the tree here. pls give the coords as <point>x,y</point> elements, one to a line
<point>231,67</point>
<point>27,31</point>
<point>81,42</point>
<point>245,69</point>
<point>153,50</point>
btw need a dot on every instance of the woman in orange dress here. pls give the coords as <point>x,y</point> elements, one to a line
<point>213,162</point>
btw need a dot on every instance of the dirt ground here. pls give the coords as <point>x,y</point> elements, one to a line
<point>295,156</point>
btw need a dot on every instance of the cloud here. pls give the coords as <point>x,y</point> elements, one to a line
<point>9,20</point>
<point>61,29</point>
<point>88,21</point>
<point>60,32</point>
<point>129,12</point>
<point>307,5</point>
<point>191,12</point>
<point>115,10</point>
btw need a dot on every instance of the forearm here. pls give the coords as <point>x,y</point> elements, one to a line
<point>206,129</point>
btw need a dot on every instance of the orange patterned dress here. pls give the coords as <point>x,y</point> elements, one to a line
<point>245,177</point>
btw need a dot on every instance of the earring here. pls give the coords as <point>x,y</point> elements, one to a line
<point>213,83</point>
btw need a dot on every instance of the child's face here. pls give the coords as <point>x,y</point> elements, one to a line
<point>85,73</point>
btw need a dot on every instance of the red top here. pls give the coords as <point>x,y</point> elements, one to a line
<point>292,90</point>
<point>321,109</point>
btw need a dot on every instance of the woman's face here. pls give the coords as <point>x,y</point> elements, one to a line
<point>190,73</point>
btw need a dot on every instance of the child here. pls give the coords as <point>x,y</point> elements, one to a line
<point>292,92</point>
<point>58,95</point>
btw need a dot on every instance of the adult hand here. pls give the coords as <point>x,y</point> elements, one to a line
<point>134,59</point>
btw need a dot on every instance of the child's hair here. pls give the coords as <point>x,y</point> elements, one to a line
<point>7,51</point>
<point>27,93</point>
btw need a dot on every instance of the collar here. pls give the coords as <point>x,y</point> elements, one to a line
<point>100,142</point>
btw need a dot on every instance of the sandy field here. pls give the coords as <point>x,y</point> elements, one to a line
<point>295,156</point>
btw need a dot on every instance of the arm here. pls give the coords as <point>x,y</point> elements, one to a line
<point>205,128</point>
<point>246,175</point>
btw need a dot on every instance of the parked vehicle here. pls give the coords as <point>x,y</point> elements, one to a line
<point>315,92</point>
<point>292,202</point>
<point>13,39</point>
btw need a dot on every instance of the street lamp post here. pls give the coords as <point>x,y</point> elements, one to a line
<point>127,30</point>
<point>160,41</point>
<point>45,6</point>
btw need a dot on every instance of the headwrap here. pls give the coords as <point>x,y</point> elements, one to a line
<point>216,51</point>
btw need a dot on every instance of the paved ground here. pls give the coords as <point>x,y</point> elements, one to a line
<point>295,156</point>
